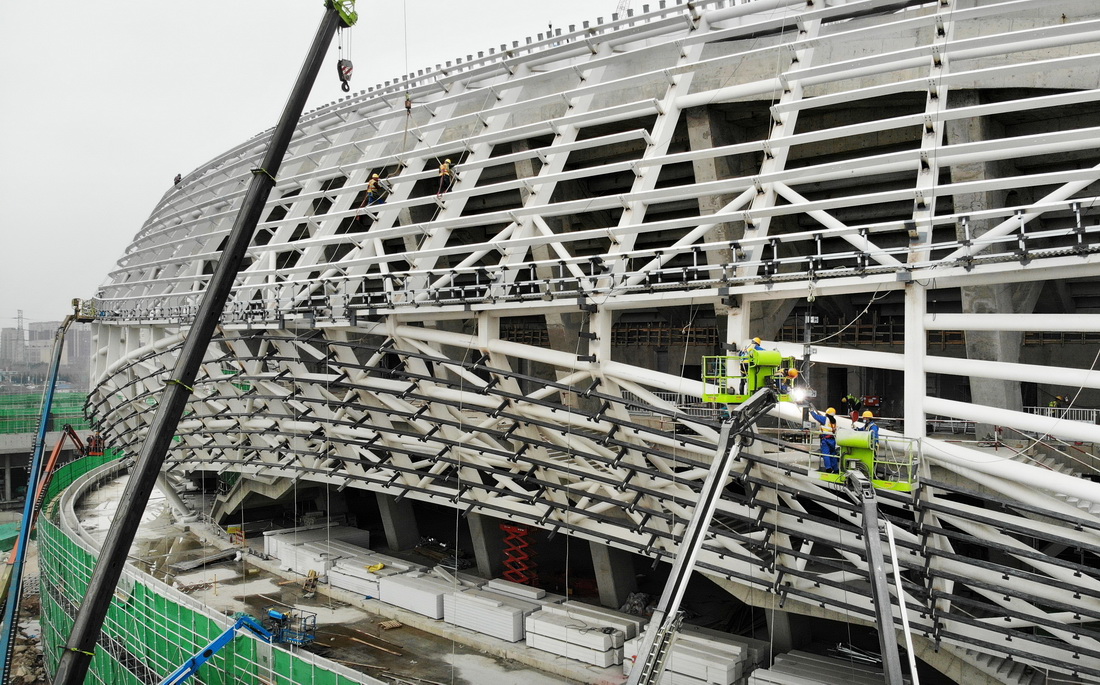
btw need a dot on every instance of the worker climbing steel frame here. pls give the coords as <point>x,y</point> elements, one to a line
<point>430,388</point>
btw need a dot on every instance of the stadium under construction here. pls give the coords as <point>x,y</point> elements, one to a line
<point>485,370</point>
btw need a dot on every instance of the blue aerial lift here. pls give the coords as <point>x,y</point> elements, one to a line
<point>279,627</point>
<point>9,624</point>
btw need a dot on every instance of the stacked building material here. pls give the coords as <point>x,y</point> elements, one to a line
<point>274,539</point>
<point>306,549</point>
<point>492,613</point>
<point>360,573</point>
<point>416,591</point>
<point>703,657</point>
<point>582,632</point>
<point>507,587</point>
<point>803,668</point>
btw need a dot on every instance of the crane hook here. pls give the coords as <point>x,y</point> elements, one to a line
<point>343,67</point>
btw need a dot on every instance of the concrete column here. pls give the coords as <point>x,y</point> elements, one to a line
<point>787,631</point>
<point>399,522</point>
<point>1001,346</point>
<point>174,499</point>
<point>706,130</point>
<point>488,541</point>
<point>563,329</point>
<point>614,574</point>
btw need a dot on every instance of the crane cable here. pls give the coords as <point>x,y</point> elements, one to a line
<point>343,65</point>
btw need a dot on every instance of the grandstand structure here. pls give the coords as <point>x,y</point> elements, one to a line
<point>712,171</point>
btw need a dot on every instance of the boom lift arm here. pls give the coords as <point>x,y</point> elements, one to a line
<point>863,492</point>
<point>15,587</point>
<point>192,665</point>
<point>662,629</point>
<point>43,484</point>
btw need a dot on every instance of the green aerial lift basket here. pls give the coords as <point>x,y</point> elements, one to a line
<point>876,459</point>
<point>734,379</point>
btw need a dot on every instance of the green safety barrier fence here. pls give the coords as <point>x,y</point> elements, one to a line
<point>146,635</point>
<point>19,413</point>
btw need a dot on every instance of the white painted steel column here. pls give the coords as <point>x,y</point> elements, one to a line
<point>916,347</point>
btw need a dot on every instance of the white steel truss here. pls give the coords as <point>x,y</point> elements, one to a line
<point>849,152</point>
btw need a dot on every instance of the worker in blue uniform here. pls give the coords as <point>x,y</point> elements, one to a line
<point>867,423</point>
<point>829,454</point>
<point>746,355</point>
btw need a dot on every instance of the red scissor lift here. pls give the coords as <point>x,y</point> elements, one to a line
<point>518,555</point>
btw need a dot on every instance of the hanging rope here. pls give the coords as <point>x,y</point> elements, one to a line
<point>343,65</point>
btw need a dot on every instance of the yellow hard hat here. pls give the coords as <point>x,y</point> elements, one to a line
<point>756,340</point>
<point>867,414</point>
<point>830,410</point>
<point>375,176</point>
<point>448,161</point>
<point>792,373</point>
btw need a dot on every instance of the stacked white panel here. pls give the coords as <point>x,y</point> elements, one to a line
<point>802,668</point>
<point>491,613</point>
<point>582,632</point>
<point>603,659</point>
<point>418,592</point>
<point>699,656</point>
<point>361,573</point>
<point>507,587</point>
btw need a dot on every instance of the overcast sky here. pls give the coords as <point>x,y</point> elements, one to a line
<point>104,102</point>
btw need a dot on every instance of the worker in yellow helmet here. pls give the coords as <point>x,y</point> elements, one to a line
<point>786,379</point>
<point>867,423</point>
<point>446,177</point>
<point>374,190</point>
<point>828,439</point>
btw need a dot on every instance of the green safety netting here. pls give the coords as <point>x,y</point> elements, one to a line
<point>19,413</point>
<point>146,634</point>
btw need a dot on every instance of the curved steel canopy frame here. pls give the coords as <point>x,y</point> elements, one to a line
<point>732,157</point>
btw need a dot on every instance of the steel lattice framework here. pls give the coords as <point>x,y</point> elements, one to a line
<point>733,158</point>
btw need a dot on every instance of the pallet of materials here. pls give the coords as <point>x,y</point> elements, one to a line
<point>582,632</point>
<point>360,574</point>
<point>418,592</point>
<point>490,613</point>
<point>305,557</point>
<point>273,539</point>
<point>803,668</point>
<point>629,624</point>
<point>603,659</point>
<point>700,657</point>
<point>507,587</point>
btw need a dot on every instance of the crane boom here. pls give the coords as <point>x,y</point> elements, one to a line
<point>660,633</point>
<point>80,648</point>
